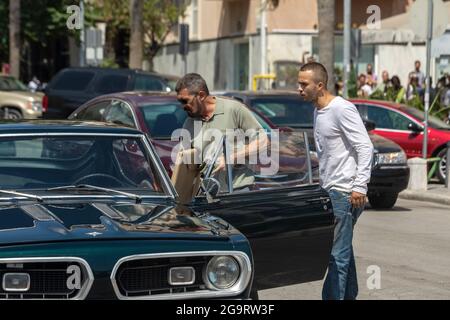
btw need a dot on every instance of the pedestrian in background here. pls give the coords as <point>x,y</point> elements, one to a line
<point>345,158</point>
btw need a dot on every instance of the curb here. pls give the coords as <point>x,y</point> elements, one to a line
<point>425,196</point>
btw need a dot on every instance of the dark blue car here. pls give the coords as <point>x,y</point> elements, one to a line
<point>87,211</point>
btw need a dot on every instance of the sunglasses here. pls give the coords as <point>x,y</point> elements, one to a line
<point>186,101</point>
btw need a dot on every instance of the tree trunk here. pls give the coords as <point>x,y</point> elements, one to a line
<point>14,37</point>
<point>326,12</point>
<point>136,30</point>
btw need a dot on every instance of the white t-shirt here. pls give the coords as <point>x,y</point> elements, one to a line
<point>343,146</point>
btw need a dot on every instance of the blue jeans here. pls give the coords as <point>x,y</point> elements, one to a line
<point>341,282</point>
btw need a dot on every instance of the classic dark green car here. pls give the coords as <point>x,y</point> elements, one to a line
<point>88,211</point>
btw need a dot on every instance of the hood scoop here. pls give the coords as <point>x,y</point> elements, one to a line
<point>76,215</point>
<point>15,218</point>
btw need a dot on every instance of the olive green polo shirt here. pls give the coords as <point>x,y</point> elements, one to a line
<point>228,114</point>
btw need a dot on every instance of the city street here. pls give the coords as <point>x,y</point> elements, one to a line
<point>410,244</point>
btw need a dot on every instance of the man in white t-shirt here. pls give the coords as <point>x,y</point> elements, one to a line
<point>345,159</point>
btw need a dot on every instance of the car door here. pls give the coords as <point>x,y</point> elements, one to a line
<point>394,125</point>
<point>286,217</point>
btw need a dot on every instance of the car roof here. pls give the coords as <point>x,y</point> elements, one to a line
<point>139,98</point>
<point>265,93</point>
<point>384,103</point>
<point>117,70</point>
<point>63,126</point>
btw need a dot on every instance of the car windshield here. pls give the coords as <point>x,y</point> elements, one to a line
<point>11,84</point>
<point>41,163</point>
<point>285,112</point>
<point>433,122</point>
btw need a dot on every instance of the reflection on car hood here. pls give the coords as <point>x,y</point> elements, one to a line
<point>383,145</point>
<point>44,223</point>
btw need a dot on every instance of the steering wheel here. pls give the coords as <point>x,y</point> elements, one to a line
<point>101,179</point>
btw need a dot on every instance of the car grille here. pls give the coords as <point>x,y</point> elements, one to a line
<point>148,277</point>
<point>48,278</point>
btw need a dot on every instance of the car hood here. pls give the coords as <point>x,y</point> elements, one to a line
<point>27,95</point>
<point>86,221</point>
<point>383,145</point>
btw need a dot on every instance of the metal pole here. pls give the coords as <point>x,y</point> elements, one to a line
<point>308,157</point>
<point>263,37</point>
<point>82,37</point>
<point>427,78</point>
<point>347,43</point>
<point>185,63</point>
<point>447,169</point>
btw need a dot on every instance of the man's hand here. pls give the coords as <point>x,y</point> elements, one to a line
<point>358,200</point>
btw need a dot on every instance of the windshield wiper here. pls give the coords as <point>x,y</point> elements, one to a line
<point>136,197</point>
<point>26,195</point>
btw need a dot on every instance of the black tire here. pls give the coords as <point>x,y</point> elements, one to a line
<point>442,165</point>
<point>12,114</point>
<point>383,200</point>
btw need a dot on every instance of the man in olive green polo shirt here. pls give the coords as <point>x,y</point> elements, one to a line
<point>223,114</point>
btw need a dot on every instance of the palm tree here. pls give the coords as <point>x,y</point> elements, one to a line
<point>136,30</point>
<point>14,37</point>
<point>326,12</point>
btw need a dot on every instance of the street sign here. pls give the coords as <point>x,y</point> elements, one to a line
<point>418,18</point>
<point>184,39</point>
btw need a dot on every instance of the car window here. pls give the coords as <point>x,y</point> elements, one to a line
<point>362,109</point>
<point>111,83</point>
<point>163,119</point>
<point>45,162</point>
<point>11,84</point>
<point>284,164</point>
<point>387,119</point>
<point>73,80</point>
<point>148,83</point>
<point>94,112</point>
<point>292,112</point>
<point>119,112</point>
<point>433,121</point>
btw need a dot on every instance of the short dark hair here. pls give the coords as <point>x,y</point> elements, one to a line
<point>193,82</point>
<point>319,71</point>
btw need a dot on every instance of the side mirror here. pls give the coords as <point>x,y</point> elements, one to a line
<point>370,125</point>
<point>414,127</point>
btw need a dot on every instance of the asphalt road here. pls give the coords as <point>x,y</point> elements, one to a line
<point>411,246</point>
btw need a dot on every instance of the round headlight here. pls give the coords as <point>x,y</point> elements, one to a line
<point>222,272</point>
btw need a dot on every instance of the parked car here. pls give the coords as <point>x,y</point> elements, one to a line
<point>88,211</point>
<point>160,114</point>
<point>404,125</point>
<point>390,173</point>
<point>72,87</point>
<point>16,101</point>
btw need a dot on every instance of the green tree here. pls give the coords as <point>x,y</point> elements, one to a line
<point>4,36</point>
<point>137,36</point>
<point>159,18</point>
<point>14,37</point>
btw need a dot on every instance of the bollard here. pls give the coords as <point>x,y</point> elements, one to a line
<point>418,174</point>
<point>447,169</point>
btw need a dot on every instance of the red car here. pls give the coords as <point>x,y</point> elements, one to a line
<point>404,125</point>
